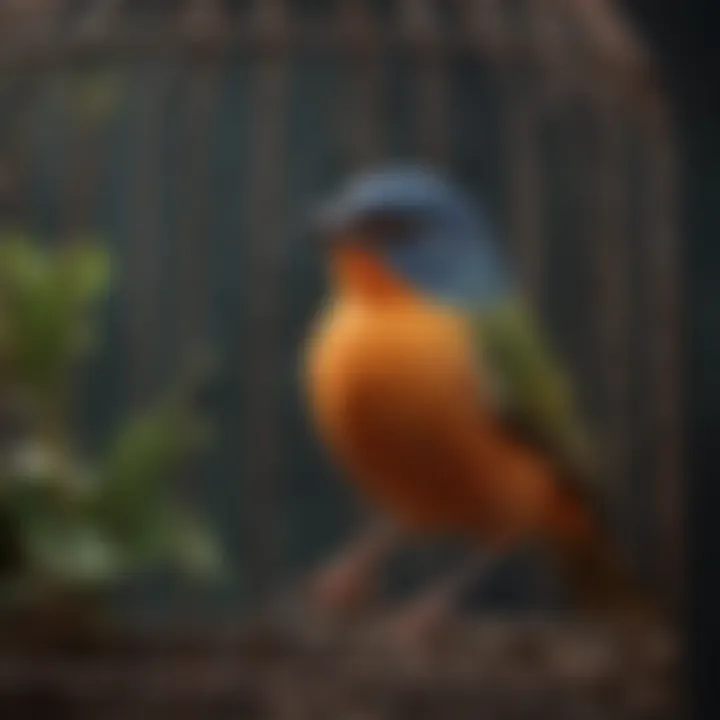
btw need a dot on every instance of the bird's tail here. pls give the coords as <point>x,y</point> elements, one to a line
<point>597,573</point>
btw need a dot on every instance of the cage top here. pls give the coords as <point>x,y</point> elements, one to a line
<point>497,26</point>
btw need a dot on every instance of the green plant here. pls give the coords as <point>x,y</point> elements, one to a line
<point>67,522</point>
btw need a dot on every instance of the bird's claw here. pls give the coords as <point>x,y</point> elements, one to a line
<point>342,589</point>
<point>417,627</point>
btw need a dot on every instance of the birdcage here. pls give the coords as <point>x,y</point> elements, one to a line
<point>195,135</point>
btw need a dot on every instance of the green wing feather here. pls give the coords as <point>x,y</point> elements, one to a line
<point>536,395</point>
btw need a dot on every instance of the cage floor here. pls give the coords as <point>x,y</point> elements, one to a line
<point>491,669</point>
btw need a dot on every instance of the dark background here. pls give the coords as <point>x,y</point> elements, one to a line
<point>685,36</point>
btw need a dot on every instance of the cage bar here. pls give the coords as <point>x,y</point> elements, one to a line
<point>664,401</point>
<point>421,26</point>
<point>362,119</point>
<point>200,85</point>
<point>611,243</point>
<point>523,173</point>
<point>143,257</point>
<point>265,300</point>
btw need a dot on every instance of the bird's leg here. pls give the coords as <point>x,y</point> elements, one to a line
<point>349,583</point>
<point>419,621</point>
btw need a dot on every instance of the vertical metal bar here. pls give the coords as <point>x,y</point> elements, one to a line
<point>84,140</point>
<point>204,24</point>
<point>664,266</point>
<point>16,149</point>
<point>264,258</point>
<point>421,26</point>
<point>609,236</point>
<point>362,111</point>
<point>192,287</point>
<point>98,22</point>
<point>144,263</point>
<point>485,23</point>
<point>551,33</point>
<point>524,171</point>
<point>30,28</point>
<point>523,182</point>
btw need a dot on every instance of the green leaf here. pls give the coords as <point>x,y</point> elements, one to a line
<point>48,300</point>
<point>72,550</point>
<point>196,549</point>
<point>149,449</point>
<point>84,272</point>
<point>143,460</point>
<point>22,263</point>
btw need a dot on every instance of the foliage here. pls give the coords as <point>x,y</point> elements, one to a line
<point>69,522</point>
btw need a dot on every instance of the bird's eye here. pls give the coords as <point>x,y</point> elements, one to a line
<point>387,231</point>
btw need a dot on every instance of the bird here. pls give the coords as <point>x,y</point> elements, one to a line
<point>432,386</point>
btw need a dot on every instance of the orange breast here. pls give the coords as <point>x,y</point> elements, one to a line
<point>384,385</point>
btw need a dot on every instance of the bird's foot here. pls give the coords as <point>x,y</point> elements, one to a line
<point>344,588</point>
<point>351,583</point>
<point>417,627</point>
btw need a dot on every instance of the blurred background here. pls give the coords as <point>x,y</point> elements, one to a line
<point>158,161</point>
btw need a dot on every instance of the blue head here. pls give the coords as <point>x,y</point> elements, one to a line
<point>425,230</point>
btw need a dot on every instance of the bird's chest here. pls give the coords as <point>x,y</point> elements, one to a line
<point>379,385</point>
<point>388,364</point>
